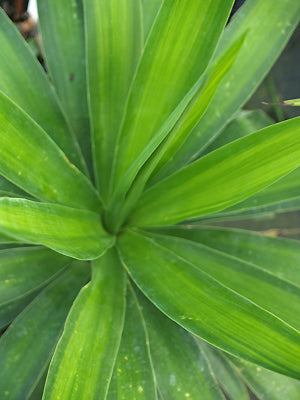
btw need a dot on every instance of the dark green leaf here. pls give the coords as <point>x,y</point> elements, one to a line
<point>228,378</point>
<point>27,346</point>
<point>180,366</point>
<point>24,270</point>
<point>133,376</point>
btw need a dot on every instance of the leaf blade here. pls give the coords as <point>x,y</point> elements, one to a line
<point>223,177</point>
<point>254,61</point>
<point>32,92</point>
<point>66,63</point>
<point>114,43</point>
<point>21,138</point>
<point>35,333</point>
<point>72,232</point>
<point>97,350</point>
<point>206,308</point>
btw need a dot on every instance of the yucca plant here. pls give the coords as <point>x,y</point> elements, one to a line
<point>114,163</point>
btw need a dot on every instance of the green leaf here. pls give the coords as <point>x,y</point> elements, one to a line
<point>30,159</point>
<point>282,258</point>
<point>223,177</point>
<point>9,311</point>
<point>23,80</point>
<point>180,366</point>
<point>72,232</point>
<point>275,295</point>
<point>207,308</point>
<point>26,347</point>
<point>228,378</point>
<point>286,189</point>
<point>9,187</point>
<point>114,44</point>
<point>150,10</point>
<point>24,270</point>
<point>175,128</point>
<point>176,54</point>
<point>265,384</point>
<point>84,358</point>
<point>62,30</point>
<point>133,375</point>
<point>268,25</point>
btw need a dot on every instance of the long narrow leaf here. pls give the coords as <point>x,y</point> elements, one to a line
<point>268,24</point>
<point>75,233</point>
<point>114,43</point>
<point>173,131</point>
<point>177,53</point>
<point>35,333</point>
<point>32,90</point>
<point>281,259</point>
<point>180,367</point>
<point>24,270</point>
<point>275,295</point>
<point>84,358</point>
<point>62,30</point>
<point>265,384</point>
<point>133,375</point>
<point>208,309</point>
<point>228,378</point>
<point>223,177</point>
<point>30,159</point>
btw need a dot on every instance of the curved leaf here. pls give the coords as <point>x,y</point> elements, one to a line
<point>85,356</point>
<point>133,375</point>
<point>24,270</point>
<point>268,25</point>
<point>26,347</point>
<point>176,54</point>
<point>23,80</point>
<point>113,44</point>
<point>223,177</point>
<point>30,159</point>
<point>180,366</point>
<point>208,309</point>
<point>62,29</point>
<point>75,233</point>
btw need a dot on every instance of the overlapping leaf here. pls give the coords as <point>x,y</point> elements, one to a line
<point>28,344</point>
<point>207,308</point>
<point>268,25</point>
<point>114,40</point>
<point>30,159</point>
<point>223,177</point>
<point>176,54</point>
<point>180,367</point>
<point>23,80</point>
<point>133,375</point>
